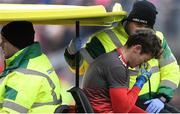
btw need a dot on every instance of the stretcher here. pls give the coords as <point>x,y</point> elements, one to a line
<point>59,14</point>
<point>64,14</point>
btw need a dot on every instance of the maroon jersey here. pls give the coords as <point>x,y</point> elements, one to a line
<point>107,71</point>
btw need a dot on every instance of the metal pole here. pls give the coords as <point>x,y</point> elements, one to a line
<point>77,56</point>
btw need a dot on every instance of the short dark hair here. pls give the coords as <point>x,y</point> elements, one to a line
<point>148,40</point>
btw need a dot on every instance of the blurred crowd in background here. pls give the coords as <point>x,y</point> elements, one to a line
<point>54,38</point>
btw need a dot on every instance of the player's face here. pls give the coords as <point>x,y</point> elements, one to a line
<point>139,59</point>
<point>136,58</point>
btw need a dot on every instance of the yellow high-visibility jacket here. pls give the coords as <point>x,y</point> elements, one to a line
<point>29,83</point>
<point>165,77</point>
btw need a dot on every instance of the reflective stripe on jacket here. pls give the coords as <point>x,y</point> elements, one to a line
<point>30,83</point>
<point>165,77</point>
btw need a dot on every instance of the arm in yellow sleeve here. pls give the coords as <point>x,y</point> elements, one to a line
<point>169,72</point>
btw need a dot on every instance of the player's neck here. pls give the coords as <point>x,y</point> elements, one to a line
<point>125,54</point>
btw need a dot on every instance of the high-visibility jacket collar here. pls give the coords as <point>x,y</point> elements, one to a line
<point>121,29</point>
<point>21,56</point>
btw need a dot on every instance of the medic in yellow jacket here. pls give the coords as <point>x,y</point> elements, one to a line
<point>165,77</point>
<point>29,83</point>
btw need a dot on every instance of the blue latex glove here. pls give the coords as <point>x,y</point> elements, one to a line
<point>143,77</point>
<point>147,74</point>
<point>75,45</point>
<point>155,105</point>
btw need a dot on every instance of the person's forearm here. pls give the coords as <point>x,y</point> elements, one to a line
<point>169,72</point>
<point>133,94</point>
<point>70,59</point>
<point>122,99</point>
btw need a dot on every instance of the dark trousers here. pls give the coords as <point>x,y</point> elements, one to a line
<point>168,108</point>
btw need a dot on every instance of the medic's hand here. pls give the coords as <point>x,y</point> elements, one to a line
<point>75,45</point>
<point>145,73</point>
<point>154,105</point>
<point>2,60</point>
<point>143,77</point>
